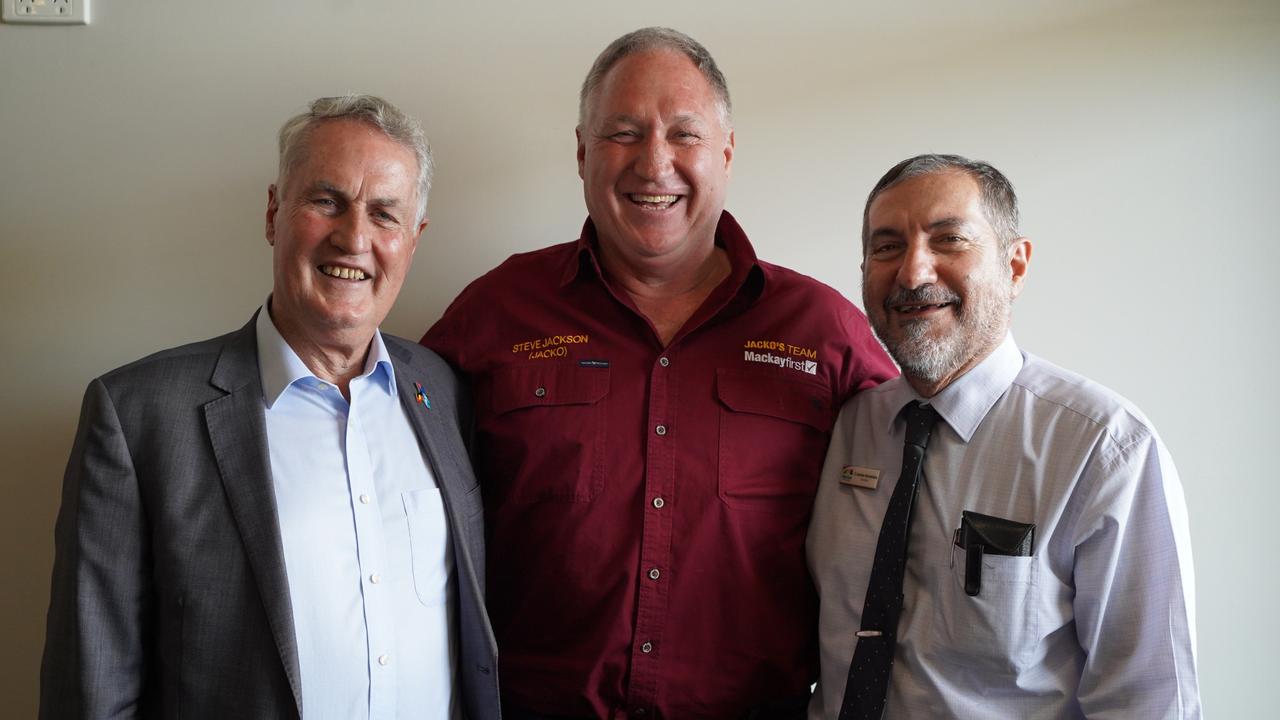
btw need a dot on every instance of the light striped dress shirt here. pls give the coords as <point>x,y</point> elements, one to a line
<point>1097,622</point>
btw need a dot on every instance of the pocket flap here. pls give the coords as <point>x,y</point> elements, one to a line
<point>796,400</point>
<point>522,386</point>
<point>997,536</point>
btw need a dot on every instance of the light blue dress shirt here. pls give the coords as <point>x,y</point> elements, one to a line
<point>366,544</point>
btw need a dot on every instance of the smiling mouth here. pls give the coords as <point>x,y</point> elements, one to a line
<point>342,273</point>
<point>653,202</point>
<point>917,309</point>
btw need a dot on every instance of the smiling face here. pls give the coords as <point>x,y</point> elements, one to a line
<point>343,229</point>
<point>936,283</point>
<point>654,156</point>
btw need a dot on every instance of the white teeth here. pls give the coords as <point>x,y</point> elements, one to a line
<point>655,198</point>
<point>342,272</point>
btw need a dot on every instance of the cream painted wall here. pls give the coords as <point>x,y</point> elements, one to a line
<point>1142,138</point>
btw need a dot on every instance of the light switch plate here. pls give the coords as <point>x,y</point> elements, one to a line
<point>45,12</point>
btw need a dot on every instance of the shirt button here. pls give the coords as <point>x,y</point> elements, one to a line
<point>661,429</point>
<point>663,361</point>
<point>646,648</point>
<point>364,499</point>
<point>375,578</point>
<point>384,660</point>
<point>653,574</point>
<point>659,502</point>
<point>540,392</point>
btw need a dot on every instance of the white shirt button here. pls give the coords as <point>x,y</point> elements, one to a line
<point>654,573</point>
<point>664,361</point>
<point>375,578</point>
<point>364,499</point>
<point>384,660</point>
<point>659,502</point>
<point>540,392</point>
<point>646,648</point>
<point>661,429</point>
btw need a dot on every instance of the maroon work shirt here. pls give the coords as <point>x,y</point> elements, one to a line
<point>647,506</point>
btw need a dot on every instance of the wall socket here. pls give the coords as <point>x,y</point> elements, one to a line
<point>45,12</point>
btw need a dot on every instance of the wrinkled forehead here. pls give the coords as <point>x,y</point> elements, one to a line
<point>927,199</point>
<point>333,149</point>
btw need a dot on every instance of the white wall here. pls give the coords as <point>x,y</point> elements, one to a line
<point>1142,138</point>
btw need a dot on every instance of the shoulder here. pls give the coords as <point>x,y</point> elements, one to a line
<point>812,299</point>
<point>417,356</point>
<point>164,390</point>
<point>1054,388</point>
<point>881,401</point>
<point>536,267</point>
<point>184,364</point>
<point>784,281</point>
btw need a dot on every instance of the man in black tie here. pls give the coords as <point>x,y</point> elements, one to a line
<point>993,536</point>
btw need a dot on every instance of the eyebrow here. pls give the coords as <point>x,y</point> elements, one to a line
<point>947,222</point>
<point>884,232</point>
<point>634,120</point>
<point>328,187</point>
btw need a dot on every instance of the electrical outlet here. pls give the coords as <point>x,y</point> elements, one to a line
<point>45,12</point>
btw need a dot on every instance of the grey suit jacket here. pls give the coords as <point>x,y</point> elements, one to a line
<point>170,597</point>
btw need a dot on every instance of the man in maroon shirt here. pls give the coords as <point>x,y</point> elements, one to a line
<point>653,405</point>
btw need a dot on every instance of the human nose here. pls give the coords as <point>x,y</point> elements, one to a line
<point>655,160</point>
<point>917,268</point>
<point>353,234</point>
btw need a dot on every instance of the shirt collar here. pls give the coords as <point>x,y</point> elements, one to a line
<point>280,367</point>
<point>729,235</point>
<point>966,401</point>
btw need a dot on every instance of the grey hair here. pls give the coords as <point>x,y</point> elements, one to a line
<point>656,38</point>
<point>998,199</point>
<point>375,111</point>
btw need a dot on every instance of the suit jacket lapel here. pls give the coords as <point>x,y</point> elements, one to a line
<point>429,424</point>
<point>238,433</point>
<point>452,472</point>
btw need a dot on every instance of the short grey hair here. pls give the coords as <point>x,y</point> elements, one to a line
<point>998,199</point>
<point>387,118</point>
<point>656,38</point>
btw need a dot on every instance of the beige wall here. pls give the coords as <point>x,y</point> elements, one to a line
<point>1142,138</point>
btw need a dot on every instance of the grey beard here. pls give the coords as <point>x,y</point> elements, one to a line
<point>983,321</point>
<point>923,357</point>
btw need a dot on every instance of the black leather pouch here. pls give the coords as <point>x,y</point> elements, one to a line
<point>980,535</point>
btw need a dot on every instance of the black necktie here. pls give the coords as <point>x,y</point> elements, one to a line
<point>872,663</point>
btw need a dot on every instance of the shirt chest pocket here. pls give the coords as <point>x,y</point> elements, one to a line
<point>431,552</point>
<point>544,436</point>
<point>994,631</point>
<point>773,438</point>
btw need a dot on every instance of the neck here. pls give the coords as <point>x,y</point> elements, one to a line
<point>667,291</point>
<point>666,277</point>
<point>333,357</point>
<point>928,387</point>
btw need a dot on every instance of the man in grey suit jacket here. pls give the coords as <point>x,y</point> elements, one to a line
<point>282,521</point>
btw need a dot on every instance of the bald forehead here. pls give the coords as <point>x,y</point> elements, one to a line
<point>655,72</point>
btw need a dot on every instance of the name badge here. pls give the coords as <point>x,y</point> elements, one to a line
<point>862,477</point>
